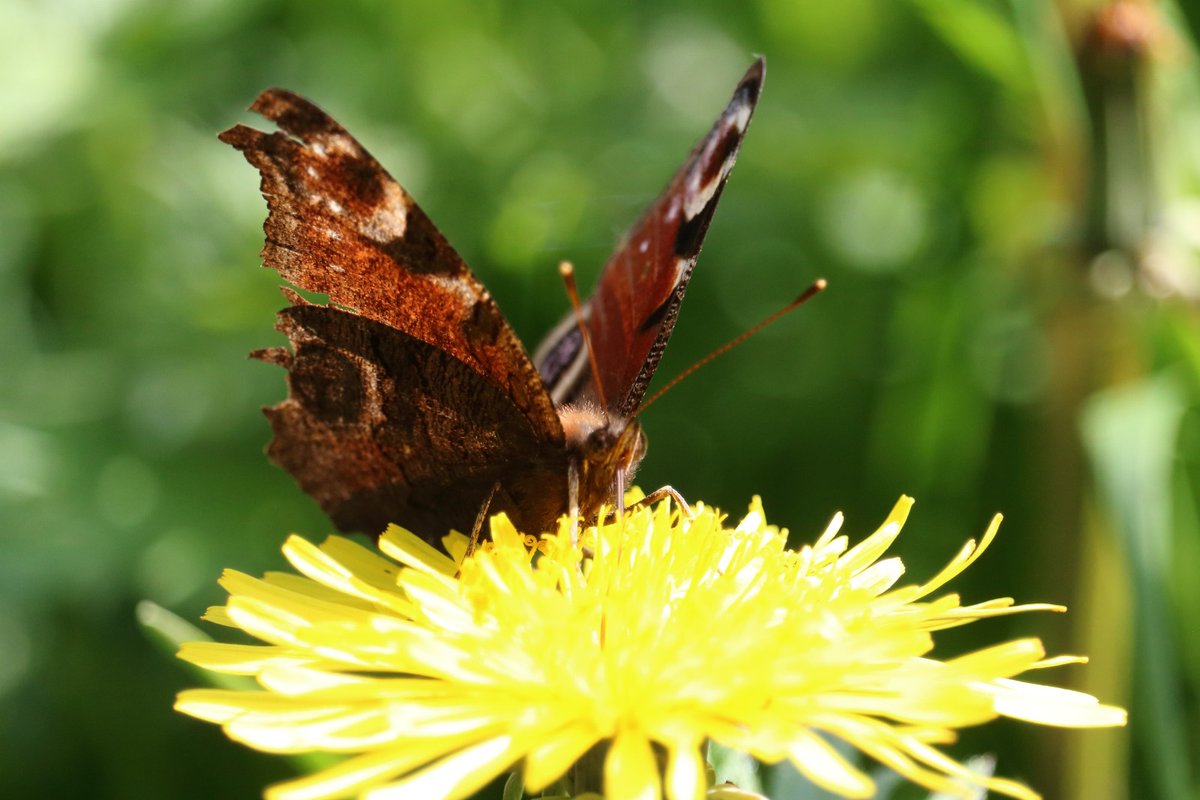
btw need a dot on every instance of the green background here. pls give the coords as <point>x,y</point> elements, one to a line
<point>1004,197</point>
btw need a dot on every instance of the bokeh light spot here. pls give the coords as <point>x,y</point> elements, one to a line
<point>170,404</point>
<point>543,205</point>
<point>126,491</point>
<point>28,461</point>
<point>874,220</point>
<point>690,65</point>
<point>1111,274</point>
<point>17,648</point>
<point>173,567</point>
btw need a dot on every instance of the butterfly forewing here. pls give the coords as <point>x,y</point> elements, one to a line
<point>633,310</point>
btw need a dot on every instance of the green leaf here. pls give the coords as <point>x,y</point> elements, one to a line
<point>1130,436</point>
<point>735,767</point>
<point>981,765</point>
<point>981,37</point>
<point>167,631</point>
<point>514,787</point>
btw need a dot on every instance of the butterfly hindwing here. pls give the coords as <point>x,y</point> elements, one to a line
<point>381,427</point>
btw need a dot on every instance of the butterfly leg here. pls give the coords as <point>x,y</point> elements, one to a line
<point>477,528</point>
<point>662,493</point>
<point>620,494</point>
<point>573,500</point>
<point>656,496</point>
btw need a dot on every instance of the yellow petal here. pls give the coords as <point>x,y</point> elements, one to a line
<point>356,577</point>
<point>870,549</point>
<point>1050,705</point>
<point>630,771</point>
<point>413,551</point>
<point>239,659</point>
<point>456,776</point>
<point>550,760</point>
<point>825,767</point>
<point>965,558</point>
<point>344,779</point>
<point>685,777</point>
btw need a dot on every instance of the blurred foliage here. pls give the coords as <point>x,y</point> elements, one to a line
<point>1004,196</point>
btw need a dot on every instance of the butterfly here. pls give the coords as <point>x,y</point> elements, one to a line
<point>410,398</point>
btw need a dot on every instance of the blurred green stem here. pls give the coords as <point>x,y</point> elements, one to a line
<point>1121,197</point>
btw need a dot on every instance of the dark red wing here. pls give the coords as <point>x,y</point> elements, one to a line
<point>633,310</point>
<point>339,224</point>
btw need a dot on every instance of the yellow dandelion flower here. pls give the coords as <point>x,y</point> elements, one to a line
<point>634,646</point>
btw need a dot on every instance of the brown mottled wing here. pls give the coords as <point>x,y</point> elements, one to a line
<point>339,224</point>
<point>635,304</point>
<point>381,427</point>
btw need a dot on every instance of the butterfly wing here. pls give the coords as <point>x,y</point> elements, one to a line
<point>410,395</point>
<point>633,309</point>
<point>339,224</point>
<point>381,427</point>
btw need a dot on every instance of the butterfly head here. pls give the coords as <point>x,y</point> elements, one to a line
<point>601,445</point>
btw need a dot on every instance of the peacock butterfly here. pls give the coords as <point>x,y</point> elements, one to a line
<point>410,399</point>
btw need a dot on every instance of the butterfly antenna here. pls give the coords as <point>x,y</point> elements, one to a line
<point>567,270</point>
<point>817,287</point>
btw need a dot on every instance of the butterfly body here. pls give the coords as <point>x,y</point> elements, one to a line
<point>411,399</point>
